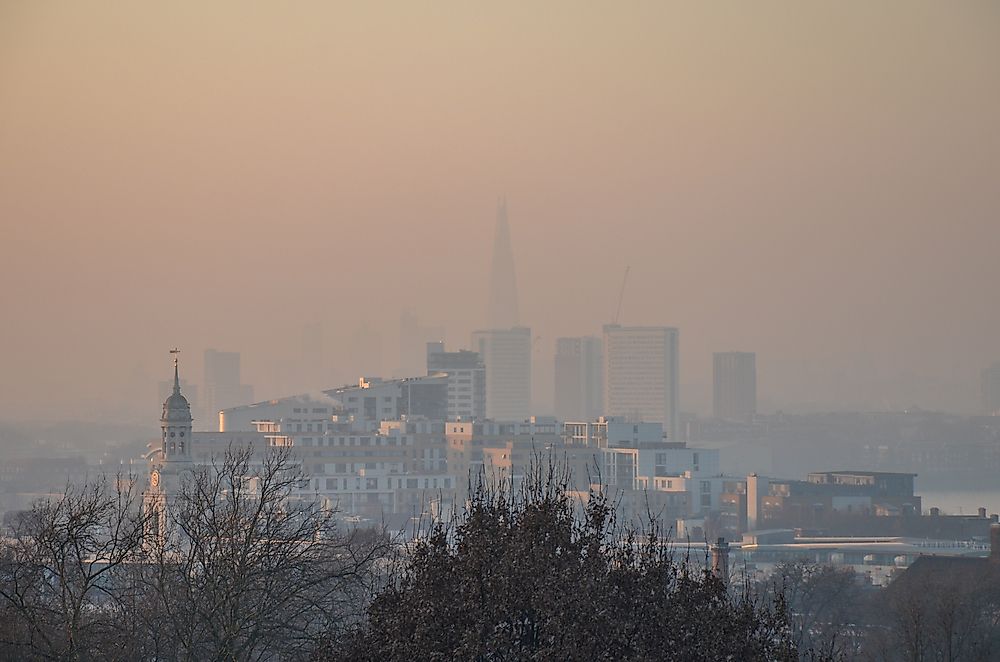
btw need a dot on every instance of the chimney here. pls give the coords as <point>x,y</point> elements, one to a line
<point>995,543</point>
<point>720,559</point>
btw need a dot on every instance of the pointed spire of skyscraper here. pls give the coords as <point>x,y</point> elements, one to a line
<point>502,311</point>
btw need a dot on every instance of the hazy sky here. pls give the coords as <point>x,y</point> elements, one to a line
<point>816,182</point>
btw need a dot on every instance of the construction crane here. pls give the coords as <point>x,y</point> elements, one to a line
<point>621,295</point>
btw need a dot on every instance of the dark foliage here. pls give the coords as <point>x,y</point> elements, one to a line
<point>524,576</point>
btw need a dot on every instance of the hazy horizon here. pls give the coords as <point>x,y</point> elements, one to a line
<point>817,184</point>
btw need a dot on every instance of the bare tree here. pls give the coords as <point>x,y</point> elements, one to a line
<point>941,609</point>
<point>60,568</point>
<point>824,603</point>
<point>247,570</point>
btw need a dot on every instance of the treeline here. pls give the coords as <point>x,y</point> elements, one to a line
<point>235,568</point>
<point>242,569</point>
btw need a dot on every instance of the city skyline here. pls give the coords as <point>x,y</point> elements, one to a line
<point>833,210</point>
<point>442,283</point>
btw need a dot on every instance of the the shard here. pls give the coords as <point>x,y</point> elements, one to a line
<point>502,313</point>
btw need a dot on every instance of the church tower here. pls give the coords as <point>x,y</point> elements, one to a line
<point>169,462</point>
<point>175,423</point>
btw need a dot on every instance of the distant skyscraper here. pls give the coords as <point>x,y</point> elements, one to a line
<point>735,386</point>
<point>641,382</point>
<point>991,390</point>
<point>466,380</point>
<point>223,387</point>
<point>503,313</point>
<point>507,356</point>
<point>579,379</point>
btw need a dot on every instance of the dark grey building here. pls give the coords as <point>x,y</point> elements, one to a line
<point>466,375</point>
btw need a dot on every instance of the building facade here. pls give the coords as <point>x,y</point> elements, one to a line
<point>506,355</point>
<point>641,378</point>
<point>579,379</point>
<point>466,374</point>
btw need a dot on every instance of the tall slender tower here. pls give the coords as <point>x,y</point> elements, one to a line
<point>175,423</point>
<point>173,460</point>
<point>502,312</point>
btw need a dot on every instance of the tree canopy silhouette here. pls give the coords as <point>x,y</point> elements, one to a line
<point>533,573</point>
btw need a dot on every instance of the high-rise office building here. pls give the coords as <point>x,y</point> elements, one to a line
<point>502,313</point>
<point>734,386</point>
<point>466,380</point>
<point>641,381</point>
<point>579,379</point>
<point>991,390</point>
<point>223,387</point>
<point>506,353</point>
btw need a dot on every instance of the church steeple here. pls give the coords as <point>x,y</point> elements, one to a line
<point>177,380</point>
<point>175,423</point>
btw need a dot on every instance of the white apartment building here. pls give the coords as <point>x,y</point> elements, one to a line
<point>612,431</point>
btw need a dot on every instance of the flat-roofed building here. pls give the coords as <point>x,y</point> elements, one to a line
<point>641,381</point>
<point>506,354</point>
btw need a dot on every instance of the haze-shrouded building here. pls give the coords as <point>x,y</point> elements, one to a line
<point>506,354</point>
<point>502,311</point>
<point>579,379</point>
<point>223,387</point>
<point>734,390</point>
<point>641,379</point>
